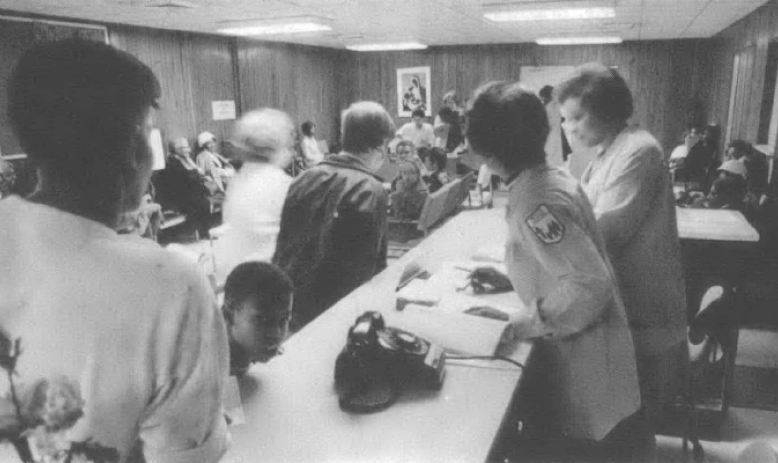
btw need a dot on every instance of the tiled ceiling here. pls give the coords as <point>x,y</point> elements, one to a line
<point>434,22</point>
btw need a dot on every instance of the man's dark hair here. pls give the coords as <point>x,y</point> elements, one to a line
<point>260,281</point>
<point>438,157</point>
<point>306,128</point>
<point>448,115</point>
<point>507,122</point>
<point>418,112</point>
<point>742,147</point>
<point>78,109</point>
<point>603,92</point>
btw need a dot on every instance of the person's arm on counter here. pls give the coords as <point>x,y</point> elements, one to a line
<point>583,284</point>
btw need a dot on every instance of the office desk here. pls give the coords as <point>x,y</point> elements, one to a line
<point>717,247</point>
<point>714,225</point>
<point>291,407</point>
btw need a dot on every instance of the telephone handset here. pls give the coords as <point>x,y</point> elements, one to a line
<point>378,361</point>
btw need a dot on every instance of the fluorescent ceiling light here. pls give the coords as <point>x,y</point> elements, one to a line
<point>577,40</point>
<point>277,29</point>
<point>551,14</point>
<point>387,46</point>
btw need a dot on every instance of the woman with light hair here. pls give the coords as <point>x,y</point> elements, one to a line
<point>632,197</point>
<point>264,141</point>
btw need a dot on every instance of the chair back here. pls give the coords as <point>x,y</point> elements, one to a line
<point>438,206</point>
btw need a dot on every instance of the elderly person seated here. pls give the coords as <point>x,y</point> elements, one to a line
<point>187,188</point>
<point>264,141</point>
<point>214,165</point>
<point>124,336</point>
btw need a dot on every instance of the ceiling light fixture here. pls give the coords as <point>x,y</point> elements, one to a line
<point>577,40</point>
<point>551,14</point>
<point>276,29</point>
<point>387,46</point>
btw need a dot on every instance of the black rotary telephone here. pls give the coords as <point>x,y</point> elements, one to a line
<point>379,361</point>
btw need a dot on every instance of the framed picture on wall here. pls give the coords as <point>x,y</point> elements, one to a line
<point>413,91</point>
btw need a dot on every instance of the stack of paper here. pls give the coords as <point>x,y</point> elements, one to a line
<point>455,332</point>
<point>443,309</point>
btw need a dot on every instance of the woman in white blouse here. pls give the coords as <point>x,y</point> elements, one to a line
<point>629,187</point>
<point>252,210</point>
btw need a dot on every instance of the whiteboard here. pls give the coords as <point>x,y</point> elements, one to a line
<point>537,77</point>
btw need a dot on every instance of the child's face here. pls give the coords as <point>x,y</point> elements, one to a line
<point>404,152</point>
<point>260,332</point>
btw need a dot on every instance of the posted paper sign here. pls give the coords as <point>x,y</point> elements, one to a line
<point>157,149</point>
<point>223,110</point>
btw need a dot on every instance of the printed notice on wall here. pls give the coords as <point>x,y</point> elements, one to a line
<point>157,149</point>
<point>223,110</point>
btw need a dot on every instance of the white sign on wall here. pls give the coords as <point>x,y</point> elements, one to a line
<point>157,149</point>
<point>223,110</point>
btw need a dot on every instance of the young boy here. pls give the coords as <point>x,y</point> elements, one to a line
<point>257,307</point>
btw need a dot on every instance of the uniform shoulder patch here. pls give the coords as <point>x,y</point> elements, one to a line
<point>545,225</point>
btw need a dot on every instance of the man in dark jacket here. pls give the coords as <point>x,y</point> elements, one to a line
<point>333,226</point>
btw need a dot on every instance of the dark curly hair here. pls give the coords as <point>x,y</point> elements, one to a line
<point>507,122</point>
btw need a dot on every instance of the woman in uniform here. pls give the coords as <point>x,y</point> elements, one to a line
<point>584,378</point>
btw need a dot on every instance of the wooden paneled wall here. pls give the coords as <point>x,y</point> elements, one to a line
<point>15,38</point>
<point>668,78</point>
<point>665,76</point>
<point>304,81</point>
<point>749,36</point>
<point>193,70</point>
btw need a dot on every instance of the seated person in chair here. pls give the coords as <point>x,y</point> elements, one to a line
<point>727,192</point>
<point>408,200</point>
<point>406,152</point>
<point>214,165</point>
<point>309,146</point>
<point>678,156</point>
<point>187,188</point>
<point>701,161</point>
<point>435,161</point>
